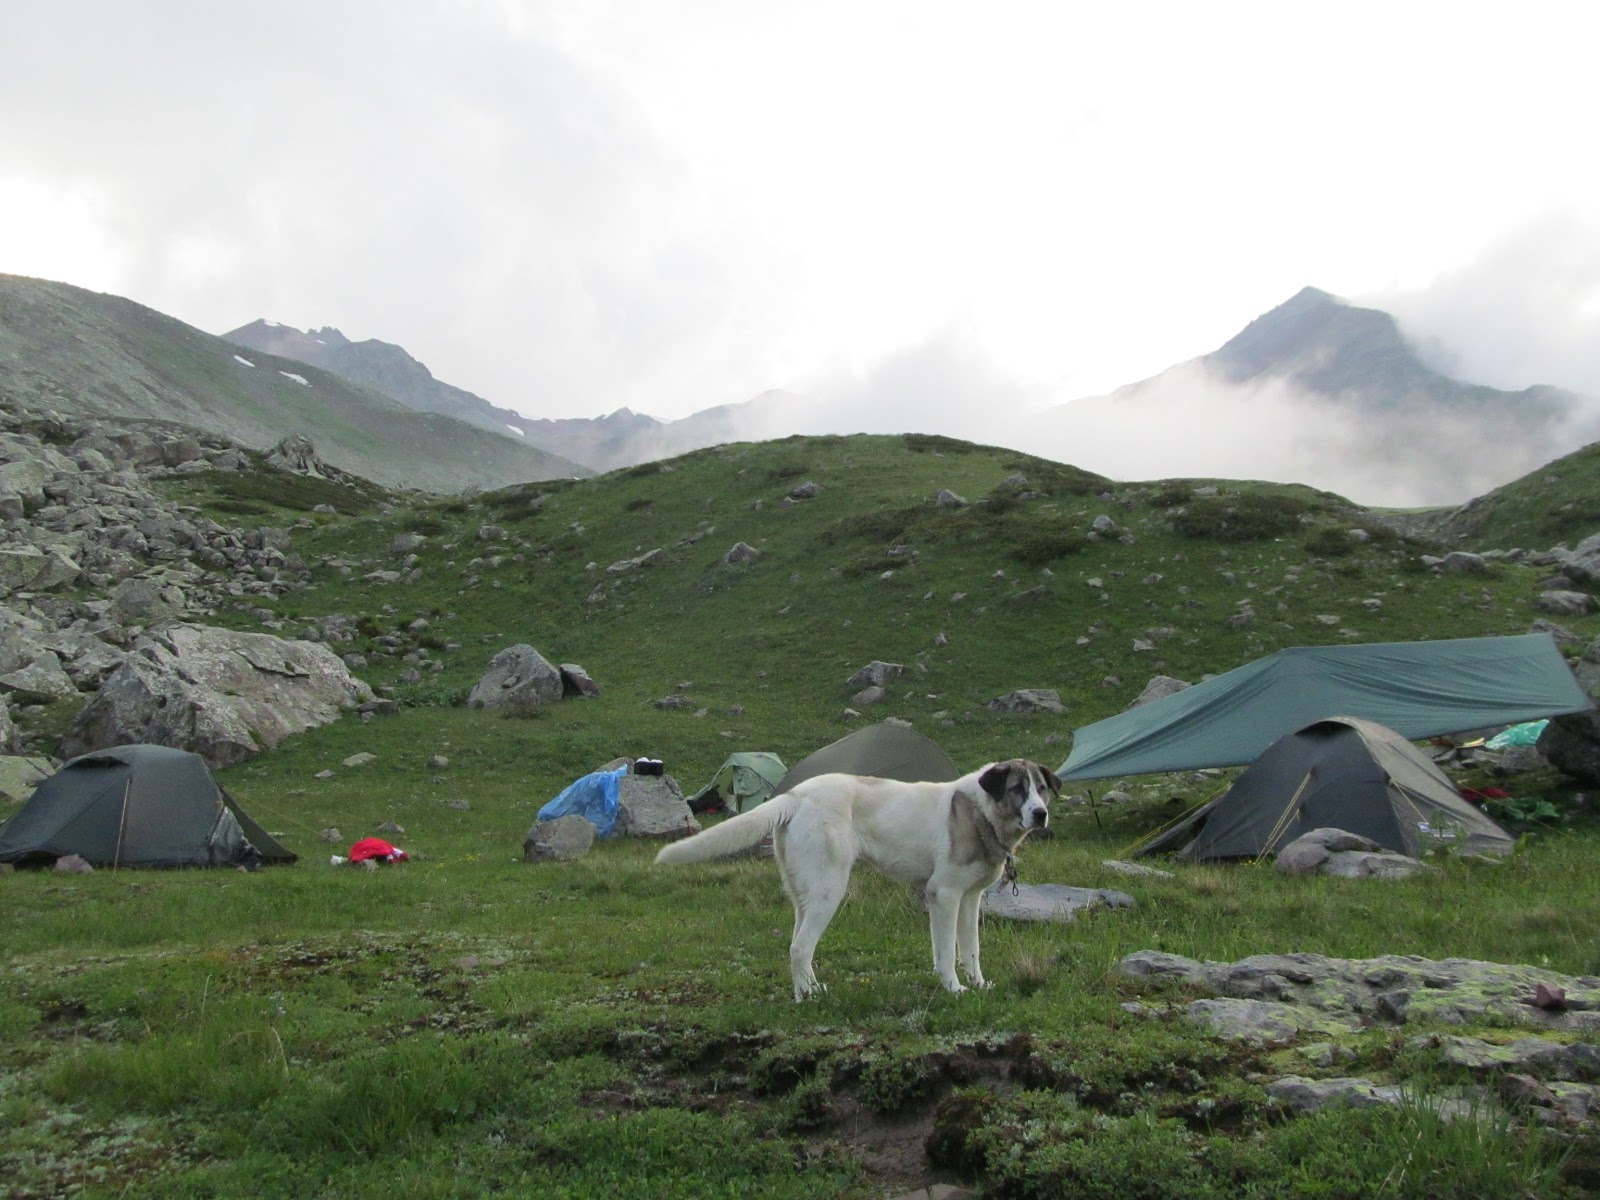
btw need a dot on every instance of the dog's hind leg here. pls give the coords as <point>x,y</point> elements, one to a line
<point>967,915</point>
<point>943,909</point>
<point>816,875</point>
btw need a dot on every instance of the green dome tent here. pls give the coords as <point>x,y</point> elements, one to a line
<point>136,806</point>
<point>742,782</point>
<point>885,750</point>
<point>1340,773</point>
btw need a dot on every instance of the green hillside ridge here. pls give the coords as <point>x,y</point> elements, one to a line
<point>82,353</point>
<point>469,1025</point>
<point>1558,504</point>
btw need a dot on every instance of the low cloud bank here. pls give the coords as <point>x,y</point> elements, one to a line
<point>1183,423</point>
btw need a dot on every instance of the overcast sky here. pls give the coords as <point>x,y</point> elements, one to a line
<point>912,208</point>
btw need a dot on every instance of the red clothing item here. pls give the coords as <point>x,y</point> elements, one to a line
<point>376,848</point>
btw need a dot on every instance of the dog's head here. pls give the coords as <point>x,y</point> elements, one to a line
<point>1021,790</point>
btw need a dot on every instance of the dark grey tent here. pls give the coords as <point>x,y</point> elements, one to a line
<point>1340,773</point>
<point>887,751</point>
<point>137,806</point>
<point>1418,689</point>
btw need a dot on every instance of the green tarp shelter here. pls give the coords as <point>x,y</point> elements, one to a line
<point>1418,689</point>
<point>887,751</point>
<point>137,806</point>
<point>1340,773</point>
<point>742,782</point>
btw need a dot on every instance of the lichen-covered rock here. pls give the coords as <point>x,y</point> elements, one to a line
<point>876,674</point>
<point>1264,1022</point>
<point>222,694</point>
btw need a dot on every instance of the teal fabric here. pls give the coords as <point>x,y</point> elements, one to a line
<point>1418,689</point>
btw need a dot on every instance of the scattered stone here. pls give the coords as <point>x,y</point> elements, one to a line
<point>1306,1096</point>
<point>1159,688</point>
<point>1128,868</point>
<point>323,775</point>
<point>331,835</point>
<point>876,674</point>
<point>948,499</point>
<point>391,827</point>
<point>437,762</point>
<point>1561,603</point>
<point>804,491</point>
<point>560,840</point>
<point>459,805</point>
<point>1048,901</point>
<point>741,552</point>
<point>359,760</point>
<point>1028,700</point>
<point>674,701</point>
<point>73,864</point>
<point>575,681</point>
<point>871,695</point>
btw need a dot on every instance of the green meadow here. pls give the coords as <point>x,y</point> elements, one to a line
<point>466,1024</point>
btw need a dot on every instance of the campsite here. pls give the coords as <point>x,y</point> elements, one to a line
<point>467,1023</point>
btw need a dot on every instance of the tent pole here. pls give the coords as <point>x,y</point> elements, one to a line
<point>122,823</point>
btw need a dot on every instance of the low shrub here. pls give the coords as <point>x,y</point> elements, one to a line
<point>1243,518</point>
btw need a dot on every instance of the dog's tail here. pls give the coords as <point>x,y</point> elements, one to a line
<point>731,836</point>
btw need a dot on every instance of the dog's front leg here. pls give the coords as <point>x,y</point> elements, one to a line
<point>967,937</point>
<point>943,911</point>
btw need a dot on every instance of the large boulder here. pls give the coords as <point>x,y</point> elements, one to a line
<point>1571,742</point>
<point>652,806</point>
<point>221,694</point>
<point>8,731</point>
<point>517,677</point>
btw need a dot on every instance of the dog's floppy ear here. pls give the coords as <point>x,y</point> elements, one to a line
<point>1051,780</point>
<point>994,780</point>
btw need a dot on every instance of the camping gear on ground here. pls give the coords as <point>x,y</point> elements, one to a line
<point>649,766</point>
<point>742,782</point>
<point>885,750</point>
<point>1418,689</point>
<point>1340,773</point>
<point>137,806</point>
<point>1526,734</point>
<point>378,850</point>
<point>593,797</point>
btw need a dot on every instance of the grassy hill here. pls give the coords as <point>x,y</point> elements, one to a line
<point>468,1025</point>
<point>84,353</point>
<point>1558,503</point>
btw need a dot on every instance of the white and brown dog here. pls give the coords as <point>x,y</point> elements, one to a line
<point>953,840</point>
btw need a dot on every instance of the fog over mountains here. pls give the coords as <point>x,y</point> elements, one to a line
<point>1315,391</point>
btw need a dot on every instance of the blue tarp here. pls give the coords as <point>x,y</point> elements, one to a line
<point>594,798</point>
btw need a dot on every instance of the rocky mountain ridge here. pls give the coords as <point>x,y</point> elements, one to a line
<point>91,356</point>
